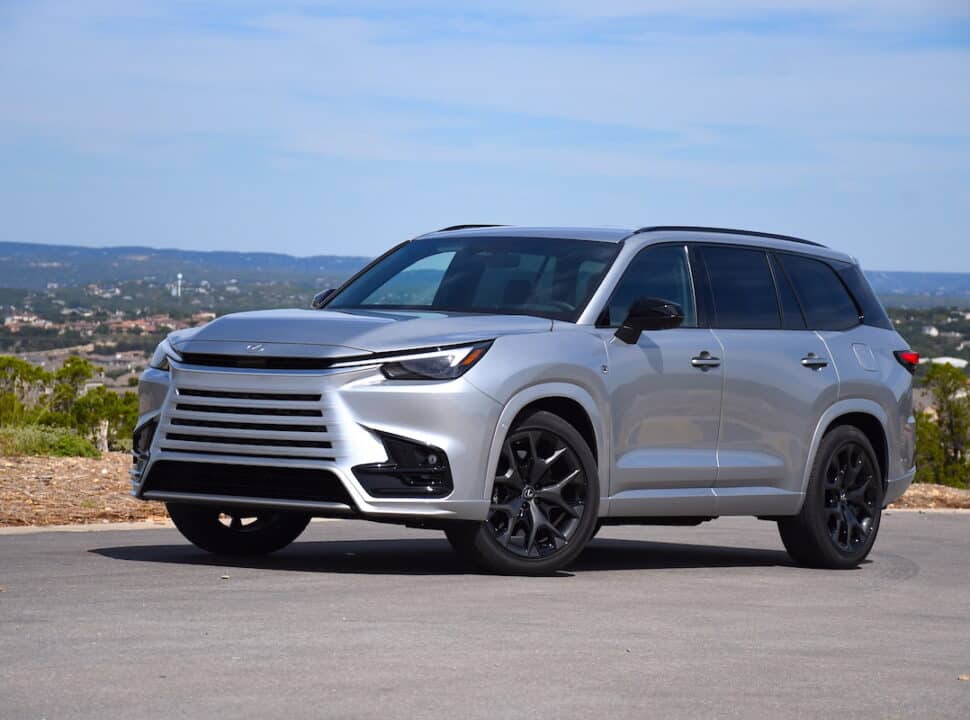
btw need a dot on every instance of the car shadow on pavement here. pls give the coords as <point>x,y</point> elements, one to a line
<point>434,557</point>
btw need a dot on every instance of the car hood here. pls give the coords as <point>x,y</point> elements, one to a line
<point>325,333</point>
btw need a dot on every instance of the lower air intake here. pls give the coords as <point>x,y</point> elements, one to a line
<point>275,483</point>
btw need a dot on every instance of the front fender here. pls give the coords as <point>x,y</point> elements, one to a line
<point>529,395</point>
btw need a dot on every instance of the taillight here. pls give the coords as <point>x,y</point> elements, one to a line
<point>908,359</point>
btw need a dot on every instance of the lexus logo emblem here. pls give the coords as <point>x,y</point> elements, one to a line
<point>255,347</point>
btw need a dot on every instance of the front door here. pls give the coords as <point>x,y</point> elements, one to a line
<point>665,395</point>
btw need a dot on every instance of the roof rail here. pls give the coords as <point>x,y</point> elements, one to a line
<point>727,231</point>
<point>466,227</point>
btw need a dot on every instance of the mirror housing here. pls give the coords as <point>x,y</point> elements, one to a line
<point>649,314</point>
<point>321,297</point>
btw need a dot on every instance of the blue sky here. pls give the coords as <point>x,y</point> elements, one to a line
<point>343,127</point>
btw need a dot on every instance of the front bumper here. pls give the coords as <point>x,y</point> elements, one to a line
<point>295,424</point>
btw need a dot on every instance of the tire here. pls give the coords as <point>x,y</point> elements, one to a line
<point>839,520</point>
<point>545,502</point>
<point>237,531</point>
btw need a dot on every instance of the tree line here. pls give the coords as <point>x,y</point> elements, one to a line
<point>31,396</point>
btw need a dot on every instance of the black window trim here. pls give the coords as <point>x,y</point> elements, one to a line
<point>860,315</point>
<point>777,268</point>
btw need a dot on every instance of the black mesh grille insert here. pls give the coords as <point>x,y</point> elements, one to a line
<point>275,483</point>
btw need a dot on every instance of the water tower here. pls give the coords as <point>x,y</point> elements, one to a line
<point>178,289</point>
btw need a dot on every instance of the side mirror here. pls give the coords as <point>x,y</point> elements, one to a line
<point>649,314</point>
<point>320,298</point>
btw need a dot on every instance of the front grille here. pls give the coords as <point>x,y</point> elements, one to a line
<point>273,483</point>
<point>203,420</point>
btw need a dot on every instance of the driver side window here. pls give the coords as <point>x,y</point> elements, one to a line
<point>660,272</point>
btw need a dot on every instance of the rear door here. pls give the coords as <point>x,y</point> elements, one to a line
<point>778,379</point>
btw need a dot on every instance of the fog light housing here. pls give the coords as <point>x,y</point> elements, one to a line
<point>141,443</point>
<point>412,469</point>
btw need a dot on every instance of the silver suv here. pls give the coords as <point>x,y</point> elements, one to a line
<point>519,387</point>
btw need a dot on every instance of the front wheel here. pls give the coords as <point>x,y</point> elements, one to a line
<point>544,504</point>
<point>840,515</point>
<point>237,531</point>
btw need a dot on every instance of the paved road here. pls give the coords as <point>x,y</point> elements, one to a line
<point>365,620</point>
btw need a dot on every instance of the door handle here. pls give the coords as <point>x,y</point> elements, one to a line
<point>814,362</point>
<point>705,361</point>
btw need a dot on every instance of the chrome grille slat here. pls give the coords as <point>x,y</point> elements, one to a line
<point>247,395</point>
<point>242,434</point>
<point>220,410</point>
<point>232,449</point>
<point>267,420</point>
<point>204,402</point>
<point>278,427</point>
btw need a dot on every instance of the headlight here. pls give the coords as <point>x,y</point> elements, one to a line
<point>162,353</point>
<point>440,365</point>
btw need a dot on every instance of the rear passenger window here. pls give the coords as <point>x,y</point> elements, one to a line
<point>826,302</point>
<point>744,293</point>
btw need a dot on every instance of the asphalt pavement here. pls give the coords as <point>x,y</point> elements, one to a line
<point>367,620</point>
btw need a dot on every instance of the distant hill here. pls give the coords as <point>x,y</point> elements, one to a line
<point>30,266</point>
<point>25,265</point>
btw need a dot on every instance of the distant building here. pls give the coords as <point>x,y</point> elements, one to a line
<point>931,331</point>
<point>945,360</point>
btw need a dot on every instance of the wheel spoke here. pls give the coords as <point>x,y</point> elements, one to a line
<point>541,465</point>
<point>857,496</point>
<point>553,494</point>
<point>513,476</point>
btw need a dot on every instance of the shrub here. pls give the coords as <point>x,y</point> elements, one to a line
<point>40,440</point>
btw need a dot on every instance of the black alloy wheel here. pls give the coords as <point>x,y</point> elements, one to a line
<point>851,496</point>
<point>539,494</point>
<point>839,519</point>
<point>544,503</point>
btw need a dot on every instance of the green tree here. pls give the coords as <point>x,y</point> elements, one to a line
<point>100,405</point>
<point>951,404</point>
<point>22,387</point>
<point>69,380</point>
<point>930,460</point>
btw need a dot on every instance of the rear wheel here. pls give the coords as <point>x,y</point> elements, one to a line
<point>544,505</point>
<point>237,531</point>
<point>840,516</point>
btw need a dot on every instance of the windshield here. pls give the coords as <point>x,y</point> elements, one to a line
<point>548,277</point>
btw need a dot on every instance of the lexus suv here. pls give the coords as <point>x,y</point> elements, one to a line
<point>520,387</point>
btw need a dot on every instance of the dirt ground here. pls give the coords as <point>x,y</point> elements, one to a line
<point>62,491</point>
